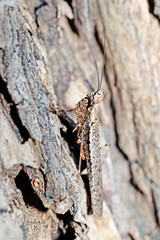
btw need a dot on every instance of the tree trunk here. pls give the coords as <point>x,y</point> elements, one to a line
<point>46,57</point>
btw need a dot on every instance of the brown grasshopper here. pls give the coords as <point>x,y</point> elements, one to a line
<point>87,114</point>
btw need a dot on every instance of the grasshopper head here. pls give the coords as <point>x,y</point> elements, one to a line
<point>98,96</point>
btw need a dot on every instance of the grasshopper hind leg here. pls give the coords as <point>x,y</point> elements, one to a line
<point>79,173</point>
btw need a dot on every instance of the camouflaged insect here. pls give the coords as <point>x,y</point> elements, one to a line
<point>87,114</point>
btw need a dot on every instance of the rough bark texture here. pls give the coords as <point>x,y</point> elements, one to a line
<point>44,57</point>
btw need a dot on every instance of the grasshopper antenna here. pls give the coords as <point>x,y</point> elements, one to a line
<point>94,60</point>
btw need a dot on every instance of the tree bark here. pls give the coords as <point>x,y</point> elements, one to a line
<point>46,58</point>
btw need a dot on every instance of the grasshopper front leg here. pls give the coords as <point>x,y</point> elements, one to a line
<point>57,110</point>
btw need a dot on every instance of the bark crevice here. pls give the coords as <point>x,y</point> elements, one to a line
<point>13,111</point>
<point>152,7</point>
<point>30,198</point>
<point>155,209</point>
<point>44,3</point>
